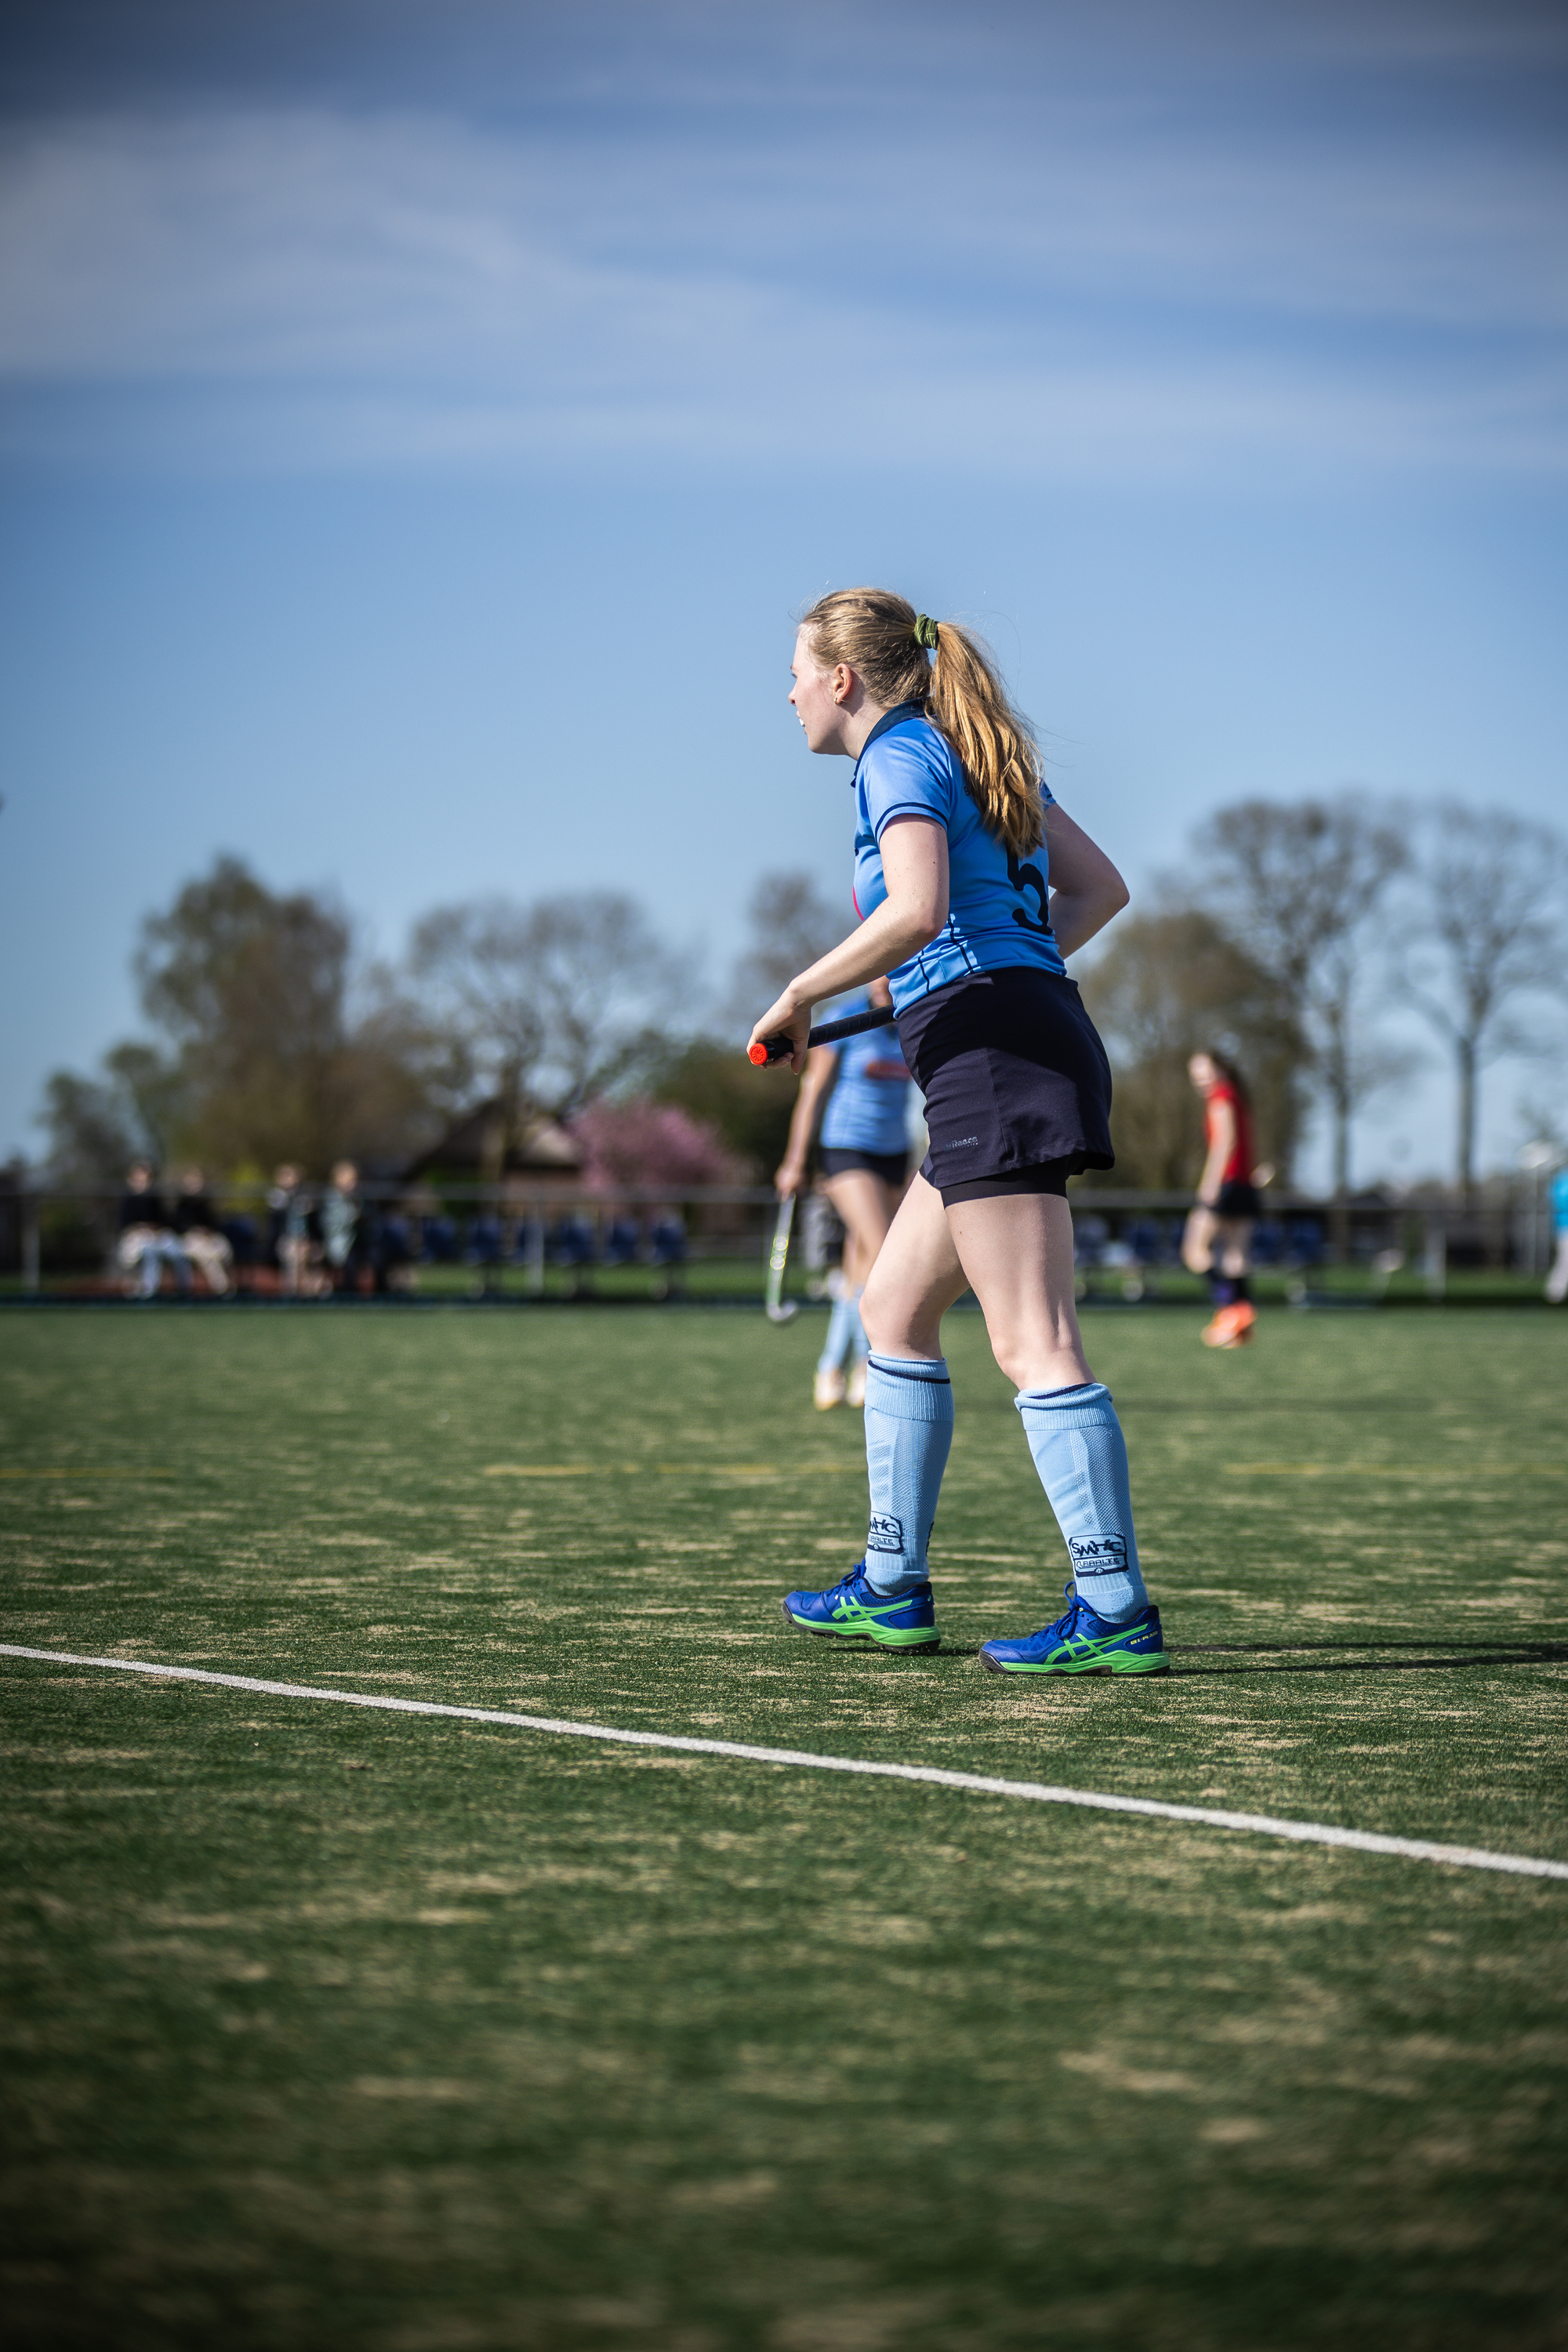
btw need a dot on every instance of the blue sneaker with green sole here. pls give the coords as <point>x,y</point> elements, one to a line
<point>856,1612</point>
<point>1082,1643</point>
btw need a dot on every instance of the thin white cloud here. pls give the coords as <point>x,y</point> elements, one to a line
<point>1121,291</point>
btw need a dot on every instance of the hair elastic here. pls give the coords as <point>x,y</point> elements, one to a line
<point>925,631</point>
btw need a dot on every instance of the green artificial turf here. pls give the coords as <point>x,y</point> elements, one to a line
<point>328,2027</point>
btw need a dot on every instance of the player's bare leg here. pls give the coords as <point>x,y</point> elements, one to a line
<point>1015,1252</point>
<point>1231,1259</point>
<point>1214,1245</point>
<point>1198,1237</point>
<point>865,1206</point>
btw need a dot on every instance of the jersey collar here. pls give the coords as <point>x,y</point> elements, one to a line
<point>900,713</point>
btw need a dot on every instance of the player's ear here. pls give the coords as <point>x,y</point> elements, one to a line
<point>843,682</point>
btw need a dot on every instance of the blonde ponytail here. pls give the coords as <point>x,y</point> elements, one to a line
<point>883,639</point>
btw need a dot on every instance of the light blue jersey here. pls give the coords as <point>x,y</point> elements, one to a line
<point>997,911</point>
<point>866,1109</point>
<point>1560,1201</point>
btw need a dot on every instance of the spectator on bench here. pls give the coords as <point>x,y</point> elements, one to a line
<point>289,1240</point>
<point>342,1220</point>
<point>351,1235</point>
<point>204,1243</point>
<point>146,1243</point>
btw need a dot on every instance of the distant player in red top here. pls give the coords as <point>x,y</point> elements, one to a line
<point>1218,1237</point>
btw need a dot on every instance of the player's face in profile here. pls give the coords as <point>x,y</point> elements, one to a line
<point>1202,1072</point>
<point>812,695</point>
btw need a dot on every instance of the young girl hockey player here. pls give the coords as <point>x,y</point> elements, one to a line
<point>957,843</point>
<point>1217,1241</point>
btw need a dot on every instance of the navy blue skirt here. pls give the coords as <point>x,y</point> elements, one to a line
<point>1014,1076</point>
<point>841,1159</point>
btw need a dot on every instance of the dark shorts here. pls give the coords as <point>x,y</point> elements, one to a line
<point>1238,1199</point>
<point>1016,1084</point>
<point>1046,1176</point>
<point>892,1167</point>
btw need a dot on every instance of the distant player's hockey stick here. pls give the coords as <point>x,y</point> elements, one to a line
<point>827,1032</point>
<point>778,1257</point>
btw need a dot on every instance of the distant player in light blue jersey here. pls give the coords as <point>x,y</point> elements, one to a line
<point>865,1164</point>
<point>1557,1280</point>
<point>972,885</point>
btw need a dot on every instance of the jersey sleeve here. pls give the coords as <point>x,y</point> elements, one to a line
<point>900,778</point>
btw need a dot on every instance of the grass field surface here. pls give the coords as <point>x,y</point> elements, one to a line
<point>326,2027</point>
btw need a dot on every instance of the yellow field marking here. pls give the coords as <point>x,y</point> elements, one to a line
<point>754,1469</point>
<point>663,1469</point>
<point>538,1470</point>
<point>1394,1470</point>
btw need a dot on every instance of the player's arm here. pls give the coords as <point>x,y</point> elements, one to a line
<point>820,1066</point>
<point>914,873</point>
<point>1086,889</point>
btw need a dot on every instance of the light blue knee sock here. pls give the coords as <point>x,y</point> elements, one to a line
<point>1082,1456</point>
<point>909,1428</point>
<point>845,1331</point>
<point>839,1325</point>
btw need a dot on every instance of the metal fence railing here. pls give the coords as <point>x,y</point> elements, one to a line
<point>525,1237</point>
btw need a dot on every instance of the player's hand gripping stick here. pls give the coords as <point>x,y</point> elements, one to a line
<point>827,1033</point>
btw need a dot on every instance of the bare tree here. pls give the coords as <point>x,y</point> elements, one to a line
<point>1490,927</point>
<point>1351,1062</point>
<point>608,990</point>
<point>1167,985</point>
<point>554,1002</point>
<point>472,967</point>
<point>792,925</point>
<point>1300,884</point>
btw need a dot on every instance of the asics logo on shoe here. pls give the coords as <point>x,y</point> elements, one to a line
<point>1068,1648</point>
<point>855,1611</point>
<point>885,1533</point>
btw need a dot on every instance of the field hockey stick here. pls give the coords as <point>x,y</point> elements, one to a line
<point>777,1258</point>
<point>827,1032</point>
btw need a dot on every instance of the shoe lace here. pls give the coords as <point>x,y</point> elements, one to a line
<point>1067,1622</point>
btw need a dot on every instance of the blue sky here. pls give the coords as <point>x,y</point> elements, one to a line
<point>417,425</point>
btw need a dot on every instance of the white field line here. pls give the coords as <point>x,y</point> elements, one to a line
<point>1463,1857</point>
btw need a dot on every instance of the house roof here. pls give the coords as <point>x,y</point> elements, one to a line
<point>543,1146</point>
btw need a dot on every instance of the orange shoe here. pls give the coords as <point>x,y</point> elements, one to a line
<point>1232,1327</point>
